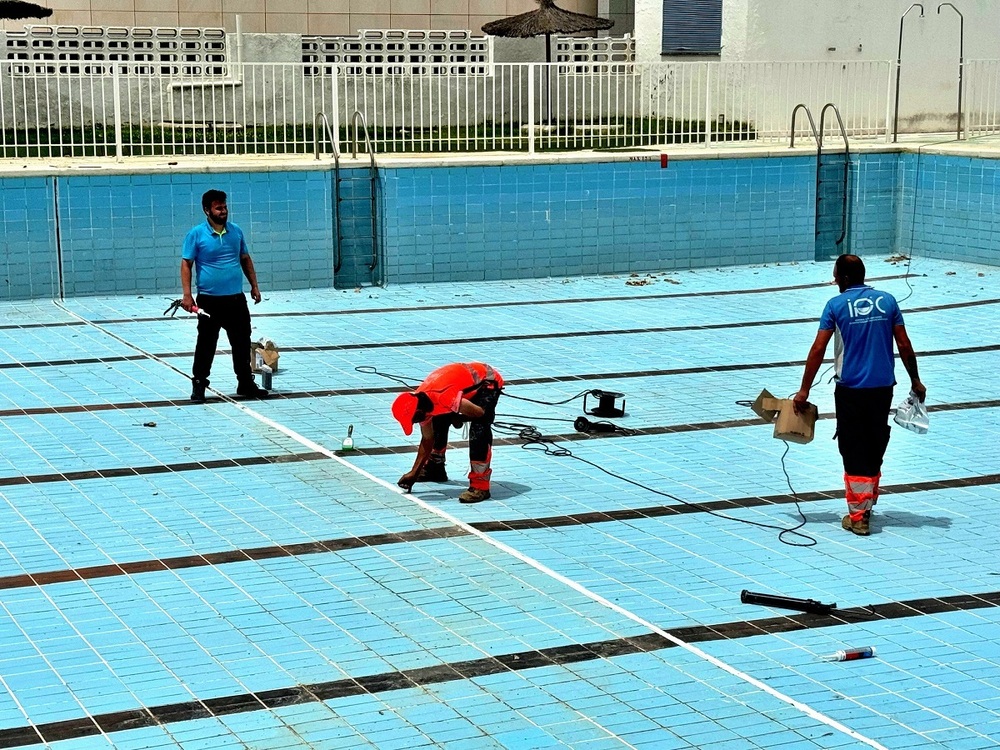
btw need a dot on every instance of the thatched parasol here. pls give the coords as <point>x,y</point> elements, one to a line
<point>549,19</point>
<point>14,10</point>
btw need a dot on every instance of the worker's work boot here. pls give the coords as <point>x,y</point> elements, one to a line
<point>198,390</point>
<point>432,471</point>
<point>472,495</point>
<point>859,527</point>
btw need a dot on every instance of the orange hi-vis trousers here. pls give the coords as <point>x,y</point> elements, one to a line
<point>862,494</point>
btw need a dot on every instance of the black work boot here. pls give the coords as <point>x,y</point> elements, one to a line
<point>198,390</point>
<point>432,471</point>
<point>249,389</point>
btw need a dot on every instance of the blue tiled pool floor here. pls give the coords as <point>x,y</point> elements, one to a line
<point>223,576</point>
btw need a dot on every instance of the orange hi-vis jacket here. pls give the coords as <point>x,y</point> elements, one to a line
<point>448,385</point>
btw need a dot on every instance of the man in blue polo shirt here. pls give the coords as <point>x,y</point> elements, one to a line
<point>217,252</point>
<point>865,322</point>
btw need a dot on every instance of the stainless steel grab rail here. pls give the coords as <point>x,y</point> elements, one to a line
<point>358,116</point>
<point>812,124</point>
<point>318,120</point>
<point>847,161</point>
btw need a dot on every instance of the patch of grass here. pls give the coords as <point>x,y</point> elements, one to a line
<point>212,140</point>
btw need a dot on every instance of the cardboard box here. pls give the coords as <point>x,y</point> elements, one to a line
<point>269,355</point>
<point>788,424</point>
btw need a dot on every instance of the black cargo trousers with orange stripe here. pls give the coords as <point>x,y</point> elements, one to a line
<point>862,428</point>
<point>485,395</point>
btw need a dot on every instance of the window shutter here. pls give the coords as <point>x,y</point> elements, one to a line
<point>692,27</point>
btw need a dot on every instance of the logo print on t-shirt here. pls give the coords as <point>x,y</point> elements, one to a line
<point>862,307</point>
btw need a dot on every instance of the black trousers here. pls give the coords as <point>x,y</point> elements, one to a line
<point>862,428</point>
<point>480,430</point>
<point>230,313</point>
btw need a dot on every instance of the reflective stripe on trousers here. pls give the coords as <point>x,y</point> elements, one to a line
<point>862,492</point>
<point>480,472</point>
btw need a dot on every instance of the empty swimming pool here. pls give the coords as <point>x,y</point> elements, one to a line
<point>222,576</point>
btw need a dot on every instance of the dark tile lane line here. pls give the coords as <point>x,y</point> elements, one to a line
<point>334,392</point>
<point>485,339</point>
<point>324,546</point>
<point>224,463</point>
<point>512,303</point>
<point>228,705</point>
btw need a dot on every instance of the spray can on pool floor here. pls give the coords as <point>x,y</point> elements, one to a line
<point>850,654</point>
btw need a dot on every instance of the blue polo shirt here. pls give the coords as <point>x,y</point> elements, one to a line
<point>217,258</point>
<point>863,320</point>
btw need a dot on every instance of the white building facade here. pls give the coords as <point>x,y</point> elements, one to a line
<point>322,17</point>
<point>850,30</point>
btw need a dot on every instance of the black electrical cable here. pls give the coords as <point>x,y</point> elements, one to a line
<point>547,419</point>
<point>401,379</point>
<point>534,440</point>
<point>906,278</point>
<point>549,403</point>
<point>582,424</point>
<point>409,382</point>
<point>791,489</point>
<point>532,437</point>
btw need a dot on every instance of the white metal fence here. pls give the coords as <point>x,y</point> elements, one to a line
<point>981,105</point>
<point>272,108</point>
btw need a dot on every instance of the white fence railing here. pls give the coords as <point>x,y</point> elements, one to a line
<point>271,108</point>
<point>981,108</point>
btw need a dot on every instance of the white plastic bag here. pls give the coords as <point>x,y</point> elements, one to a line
<point>911,415</point>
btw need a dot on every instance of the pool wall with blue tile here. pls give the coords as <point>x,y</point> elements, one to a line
<point>120,233</point>
<point>489,222</point>
<point>950,207</point>
<point>28,251</point>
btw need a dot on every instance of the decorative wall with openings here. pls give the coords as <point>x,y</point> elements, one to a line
<point>595,54</point>
<point>377,52</point>
<point>102,50</point>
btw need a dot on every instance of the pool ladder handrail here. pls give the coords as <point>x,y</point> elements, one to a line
<point>373,169</point>
<point>818,136</point>
<point>812,124</point>
<point>321,119</point>
<point>847,161</point>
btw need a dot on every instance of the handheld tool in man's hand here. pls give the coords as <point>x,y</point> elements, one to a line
<point>177,304</point>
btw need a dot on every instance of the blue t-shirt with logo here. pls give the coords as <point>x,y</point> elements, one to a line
<point>217,258</point>
<point>863,319</point>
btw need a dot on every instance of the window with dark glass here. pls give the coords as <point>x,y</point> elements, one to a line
<point>692,27</point>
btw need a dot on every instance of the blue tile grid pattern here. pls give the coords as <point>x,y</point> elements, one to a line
<point>156,553</point>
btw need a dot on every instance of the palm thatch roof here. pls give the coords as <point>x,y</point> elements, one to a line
<point>14,10</point>
<point>548,19</point>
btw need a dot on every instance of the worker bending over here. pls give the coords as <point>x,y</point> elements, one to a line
<point>450,396</point>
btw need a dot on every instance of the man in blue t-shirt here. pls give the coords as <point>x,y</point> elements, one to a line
<point>217,253</point>
<point>865,322</point>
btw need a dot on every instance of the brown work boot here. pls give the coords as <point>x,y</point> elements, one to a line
<point>860,527</point>
<point>473,495</point>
